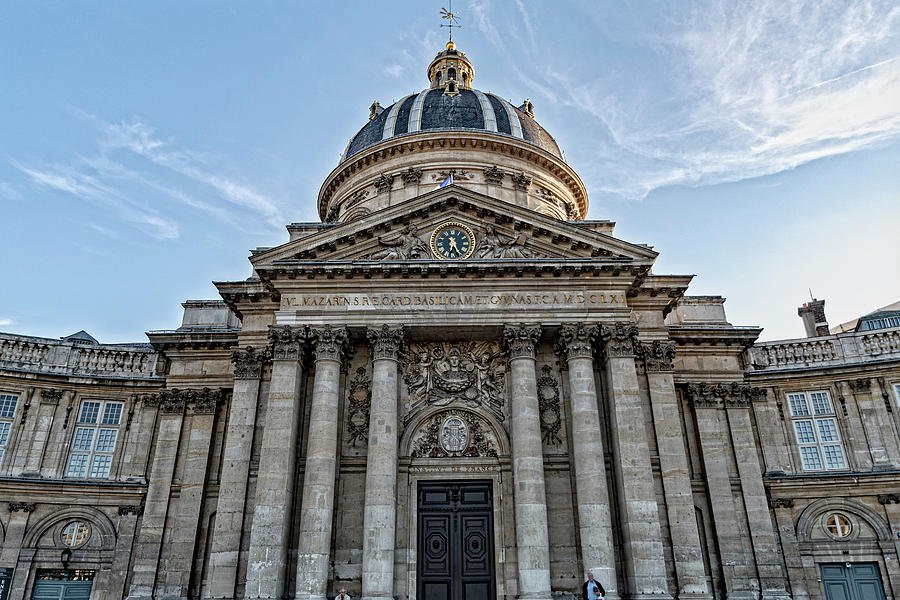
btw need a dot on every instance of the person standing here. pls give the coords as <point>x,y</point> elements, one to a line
<point>592,589</point>
<point>343,595</point>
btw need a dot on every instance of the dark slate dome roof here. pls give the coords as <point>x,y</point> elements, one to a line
<point>467,110</point>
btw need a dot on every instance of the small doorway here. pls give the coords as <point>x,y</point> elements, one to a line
<point>455,541</point>
<point>852,581</point>
<point>63,584</point>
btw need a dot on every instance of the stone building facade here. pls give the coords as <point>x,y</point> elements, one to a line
<point>446,393</point>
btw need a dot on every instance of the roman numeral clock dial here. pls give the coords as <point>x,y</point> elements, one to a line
<point>453,241</point>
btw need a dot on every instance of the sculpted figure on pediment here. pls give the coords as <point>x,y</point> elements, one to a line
<point>404,247</point>
<point>469,373</point>
<point>497,245</point>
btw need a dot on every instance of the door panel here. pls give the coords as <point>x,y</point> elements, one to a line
<point>456,541</point>
<point>859,581</point>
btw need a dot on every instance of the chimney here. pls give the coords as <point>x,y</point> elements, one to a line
<point>813,315</point>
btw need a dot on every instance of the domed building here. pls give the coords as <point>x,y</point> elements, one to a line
<point>453,387</point>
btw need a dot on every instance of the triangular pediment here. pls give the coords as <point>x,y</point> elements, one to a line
<point>503,232</point>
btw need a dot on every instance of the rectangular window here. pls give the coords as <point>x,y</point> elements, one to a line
<point>95,438</point>
<point>816,431</point>
<point>7,411</point>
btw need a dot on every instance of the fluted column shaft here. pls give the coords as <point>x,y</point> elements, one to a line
<point>267,562</point>
<point>380,514</point>
<point>645,564</point>
<point>231,507</point>
<point>575,346</point>
<point>532,539</point>
<point>317,506</point>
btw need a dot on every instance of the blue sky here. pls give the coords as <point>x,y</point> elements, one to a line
<point>146,147</point>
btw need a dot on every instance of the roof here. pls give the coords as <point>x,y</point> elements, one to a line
<point>466,110</point>
<point>890,310</point>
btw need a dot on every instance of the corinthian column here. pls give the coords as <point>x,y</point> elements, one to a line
<point>532,545</point>
<point>267,562</point>
<point>317,508</point>
<point>673,465</point>
<point>645,564</point>
<point>574,345</point>
<point>381,467</point>
<point>230,510</point>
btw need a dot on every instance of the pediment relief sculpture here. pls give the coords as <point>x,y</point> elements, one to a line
<point>453,433</point>
<point>469,373</point>
<point>496,245</point>
<point>406,246</point>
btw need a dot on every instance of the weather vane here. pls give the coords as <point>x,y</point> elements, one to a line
<point>450,16</point>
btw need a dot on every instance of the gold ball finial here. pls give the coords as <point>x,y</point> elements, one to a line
<point>451,46</point>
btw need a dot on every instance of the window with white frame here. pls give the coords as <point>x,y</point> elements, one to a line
<point>897,393</point>
<point>7,410</point>
<point>816,431</point>
<point>95,438</point>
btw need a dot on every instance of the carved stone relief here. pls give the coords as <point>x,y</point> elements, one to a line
<point>384,183</point>
<point>453,433</point>
<point>359,397</point>
<point>494,174</point>
<point>458,174</point>
<point>548,403</point>
<point>471,373</point>
<point>406,246</point>
<point>411,175</point>
<point>497,245</point>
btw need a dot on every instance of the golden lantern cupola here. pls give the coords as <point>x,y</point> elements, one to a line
<point>451,71</point>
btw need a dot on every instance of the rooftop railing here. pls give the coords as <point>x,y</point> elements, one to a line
<point>843,348</point>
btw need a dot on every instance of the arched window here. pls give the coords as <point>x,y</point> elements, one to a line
<point>451,73</point>
<point>75,534</point>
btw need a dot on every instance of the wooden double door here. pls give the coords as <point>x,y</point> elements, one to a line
<point>852,581</point>
<point>455,541</point>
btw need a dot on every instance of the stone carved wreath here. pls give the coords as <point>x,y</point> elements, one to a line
<point>359,397</point>
<point>548,402</point>
<point>453,433</point>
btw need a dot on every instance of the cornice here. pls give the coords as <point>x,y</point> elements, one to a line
<point>486,209</point>
<point>442,140</point>
<point>172,341</point>
<point>248,292</point>
<point>698,335</point>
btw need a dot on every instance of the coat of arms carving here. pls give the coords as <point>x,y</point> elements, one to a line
<point>469,373</point>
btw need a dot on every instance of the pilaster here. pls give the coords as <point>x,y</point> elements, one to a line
<point>645,565</point>
<point>658,357</point>
<point>872,419</point>
<point>232,503</point>
<point>575,347</point>
<point>267,561</point>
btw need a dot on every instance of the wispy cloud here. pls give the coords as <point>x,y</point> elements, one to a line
<point>5,322</point>
<point>9,192</point>
<point>144,178</point>
<point>395,70</point>
<point>744,89</point>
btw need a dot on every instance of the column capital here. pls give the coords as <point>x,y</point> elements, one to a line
<point>385,341</point>
<point>781,502</point>
<point>206,401</point>
<point>248,361</point>
<point>23,506</point>
<point>618,339</point>
<point>728,395</point>
<point>520,340</point>
<point>287,342</point>
<point>50,395</point>
<point>172,402</point>
<point>576,340</point>
<point>329,343</point>
<point>860,386</point>
<point>889,499</point>
<point>658,355</point>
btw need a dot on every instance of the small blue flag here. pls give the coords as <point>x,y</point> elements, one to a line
<point>447,181</point>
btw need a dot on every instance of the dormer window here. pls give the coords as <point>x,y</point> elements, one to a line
<point>451,88</point>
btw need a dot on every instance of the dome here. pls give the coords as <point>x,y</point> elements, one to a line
<point>434,109</point>
<point>451,131</point>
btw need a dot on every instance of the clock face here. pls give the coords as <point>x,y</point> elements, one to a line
<point>453,241</point>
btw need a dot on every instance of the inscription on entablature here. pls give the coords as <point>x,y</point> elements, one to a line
<point>451,301</point>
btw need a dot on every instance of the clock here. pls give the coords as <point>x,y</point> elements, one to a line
<point>453,241</point>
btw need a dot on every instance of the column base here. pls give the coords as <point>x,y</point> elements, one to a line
<point>776,595</point>
<point>302,596</point>
<point>650,597</point>
<point>695,596</point>
<point>536,596</point>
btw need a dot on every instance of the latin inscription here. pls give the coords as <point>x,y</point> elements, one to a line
<point>352,302</point>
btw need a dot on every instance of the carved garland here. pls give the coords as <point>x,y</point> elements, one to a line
<point>478,443</point>
<point>729,395</point>
<point>548,404</point>
<point>359,398</point>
